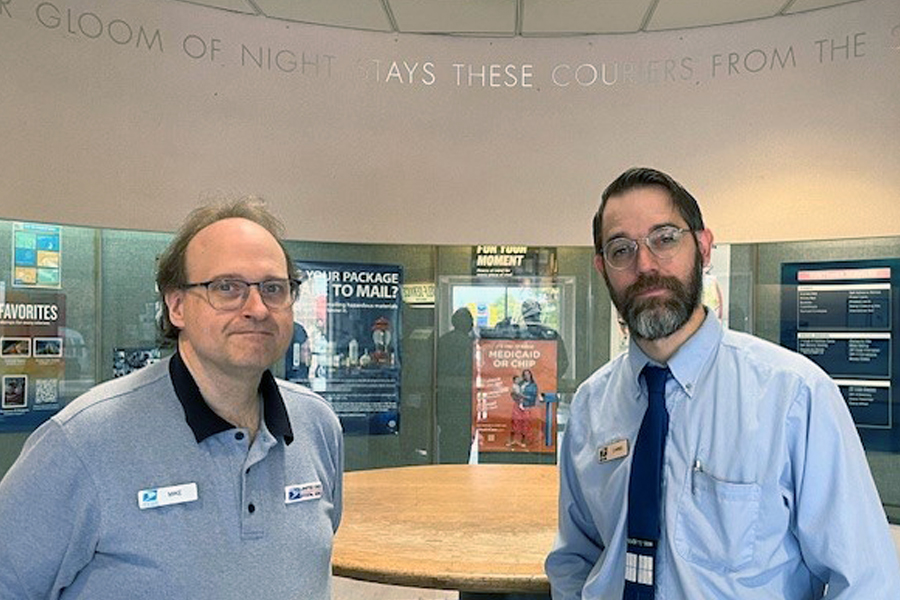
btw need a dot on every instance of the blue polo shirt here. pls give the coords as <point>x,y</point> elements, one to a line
<point>138,489</point>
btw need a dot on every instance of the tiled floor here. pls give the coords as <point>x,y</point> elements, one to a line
<point>350,589</point>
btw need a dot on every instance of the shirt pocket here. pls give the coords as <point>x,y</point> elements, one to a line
<point>716,522</point>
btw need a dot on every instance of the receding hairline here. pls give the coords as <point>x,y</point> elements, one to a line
<point>673,204</point>
<point>277,245</point>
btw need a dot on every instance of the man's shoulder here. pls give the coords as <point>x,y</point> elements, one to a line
<point>539,331</point>
<point>108,399</point>
<point>610,374</point>
<point>302,401</point>
<point>773,358</point>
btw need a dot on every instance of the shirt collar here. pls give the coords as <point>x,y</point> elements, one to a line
<point>204,422</point>
<point>688,361</point>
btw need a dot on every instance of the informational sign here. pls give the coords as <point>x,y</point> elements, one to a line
<point>842,316</point>
<point>32,350</point>
<point>513,261</point>
<point>37,255</point>
<point>514,395</point>
<point>346,342</point>
<point>848,354</point>
<point>419,293</point>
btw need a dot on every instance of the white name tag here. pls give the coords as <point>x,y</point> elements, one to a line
<point>164,496</point>
<point>617,449</point>
<point>302,492</point>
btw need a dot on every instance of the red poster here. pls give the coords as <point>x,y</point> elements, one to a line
<point>514,395</point>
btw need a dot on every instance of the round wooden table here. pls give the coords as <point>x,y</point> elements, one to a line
<point>473,528</point>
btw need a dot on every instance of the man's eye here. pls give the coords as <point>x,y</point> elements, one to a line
<point>273,288</point>
<point>225,287</point>
<point>666,238</point>
<point>620,250</point>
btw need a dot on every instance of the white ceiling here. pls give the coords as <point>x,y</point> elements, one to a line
<point>527,18</point>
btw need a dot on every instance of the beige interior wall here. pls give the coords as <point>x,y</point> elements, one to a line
<point>785,128</point>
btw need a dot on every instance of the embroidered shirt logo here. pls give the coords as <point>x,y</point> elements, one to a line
<point>302,492</point>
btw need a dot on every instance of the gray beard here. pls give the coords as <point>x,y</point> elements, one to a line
<point>656,318</point>
<point>654,324</point>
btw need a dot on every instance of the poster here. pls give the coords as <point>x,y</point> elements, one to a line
<point>32,355</point>
<point>514,395</point>
<point>842,316</point>
<point>513,261</point>
<point>346,344</point>
<point>37,255</point>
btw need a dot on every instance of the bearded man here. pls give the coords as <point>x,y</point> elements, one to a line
<point>705,463</point>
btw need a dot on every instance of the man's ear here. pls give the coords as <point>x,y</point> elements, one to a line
<point>599,264</point>
<point>175,304</point>
<point>705,243</point>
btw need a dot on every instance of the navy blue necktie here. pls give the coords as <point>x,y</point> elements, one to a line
<point>644,490</point>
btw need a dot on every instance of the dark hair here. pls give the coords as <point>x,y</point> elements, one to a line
<point>639,177</point>
<point>462,319</point>
<point>171,273</point>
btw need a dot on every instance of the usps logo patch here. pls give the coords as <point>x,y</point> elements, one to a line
<point>302,492</point>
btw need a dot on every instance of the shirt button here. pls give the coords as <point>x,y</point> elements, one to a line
<point>239,435</point>
<point>251,508</point>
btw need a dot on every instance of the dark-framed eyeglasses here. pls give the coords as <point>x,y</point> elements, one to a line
<point>664,243</point>
<point>225,293</point>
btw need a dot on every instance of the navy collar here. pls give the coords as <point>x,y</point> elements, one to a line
<point>204,422</point>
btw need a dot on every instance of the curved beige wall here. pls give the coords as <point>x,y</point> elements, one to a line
<point>786,128</point>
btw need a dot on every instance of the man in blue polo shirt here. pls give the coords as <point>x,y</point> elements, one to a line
<point>705,463</point>
<point>201,476</point>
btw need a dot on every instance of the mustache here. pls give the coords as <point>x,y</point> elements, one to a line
<point>652,281</point>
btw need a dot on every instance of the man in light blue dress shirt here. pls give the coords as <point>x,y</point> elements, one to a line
<point>766,492</point>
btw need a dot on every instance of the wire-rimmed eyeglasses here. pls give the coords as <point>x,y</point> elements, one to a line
<point>664,243</point>
<point>230,294</point>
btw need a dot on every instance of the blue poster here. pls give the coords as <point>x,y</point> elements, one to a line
<point>37,255</point>
<point>346,342</point>
<point>34,344</point>
<point>842,316</point>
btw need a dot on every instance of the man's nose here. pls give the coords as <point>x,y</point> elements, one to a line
<point>645,261</point>
<point>254,305</point>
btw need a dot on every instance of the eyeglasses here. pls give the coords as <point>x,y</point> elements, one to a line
<point>231,294</point>
<point>664,243</point>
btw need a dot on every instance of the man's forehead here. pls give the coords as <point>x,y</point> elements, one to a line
<point>233,239</point>
<point>233,226</point>
<point>643,209</point>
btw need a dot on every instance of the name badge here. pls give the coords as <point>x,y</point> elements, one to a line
<point>165,496</point>
<point>302,492</point>
<point>613,451</point>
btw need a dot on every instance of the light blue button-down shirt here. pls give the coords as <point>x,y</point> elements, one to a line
<point>767,492</point>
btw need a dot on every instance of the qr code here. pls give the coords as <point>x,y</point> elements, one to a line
<point>46,391</point>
